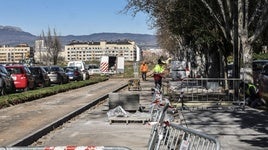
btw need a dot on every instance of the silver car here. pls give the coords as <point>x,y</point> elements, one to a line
<point>57,74</point>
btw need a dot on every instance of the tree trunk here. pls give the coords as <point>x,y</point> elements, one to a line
<point>246,48</point>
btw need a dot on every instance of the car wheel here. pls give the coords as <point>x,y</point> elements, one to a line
<point>49,83</point>
<point>13,89</point>
<point>42,84</point>
<point>26,89</point>
<point>2,87</point>
<point>33,87</point>
<point>3,90</point>
<point>61,81</point>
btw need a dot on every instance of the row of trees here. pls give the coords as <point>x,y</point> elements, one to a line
<point>211,30</point>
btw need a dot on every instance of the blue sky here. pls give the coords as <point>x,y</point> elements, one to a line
<point>72,17</point>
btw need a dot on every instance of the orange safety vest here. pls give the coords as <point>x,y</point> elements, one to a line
<point>144,68</point>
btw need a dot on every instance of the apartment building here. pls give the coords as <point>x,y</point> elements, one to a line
<point>14,54</point>
<point>90,51</point>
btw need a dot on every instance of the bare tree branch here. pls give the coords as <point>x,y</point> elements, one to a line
<point>262,23</point>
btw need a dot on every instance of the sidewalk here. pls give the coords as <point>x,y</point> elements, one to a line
<point>245,130</point>
<point>235,130</point>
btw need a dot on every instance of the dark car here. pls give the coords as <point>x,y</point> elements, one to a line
<point>6,82</point>
<point>257,67</point>
<point>22,76</point>
<point>263,83</point>
<point>73,73</point>
<point>41,76</point>
<point>56,74</point>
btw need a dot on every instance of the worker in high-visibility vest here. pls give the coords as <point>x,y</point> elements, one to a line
<point>143,70</point>
<point>252,95</point>
<point>158,73</point>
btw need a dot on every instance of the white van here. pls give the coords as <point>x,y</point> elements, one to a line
<point>81,65</point>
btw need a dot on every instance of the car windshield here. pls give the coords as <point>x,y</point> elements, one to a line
<point>34,70</point>
<point>54,69</point>
<point>15,70</point>
<point>3,70</point>
<point>46,69</point>
<point>69,69</point>
<point>257,66</point>
<point>79,66</point>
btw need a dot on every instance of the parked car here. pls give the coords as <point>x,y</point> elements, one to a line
<point>93,69</point>
<point>94,72</point>
<point>41,76</point>
<point>263,83</point>
<point>22,76</point>
<point>257,67</point>
<point>6,82</point>
<point>80,64</point>
<point>92,66</point>
<point>56,74</point>
<point>73,73</point>
<point>82,67</point>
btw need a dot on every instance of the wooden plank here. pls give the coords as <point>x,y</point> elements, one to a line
<point>128,119</point>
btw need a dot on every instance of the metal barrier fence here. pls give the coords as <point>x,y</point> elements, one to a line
<point>67,148</point>
<point>214,90</point>
<point>170,136</point>
<point>182,138</point>
<point>154,142</point>
<point>157,98</point>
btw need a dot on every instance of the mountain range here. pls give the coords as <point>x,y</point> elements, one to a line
<point>10,35</point>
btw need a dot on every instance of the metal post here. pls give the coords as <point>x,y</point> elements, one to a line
<point>135,68</point>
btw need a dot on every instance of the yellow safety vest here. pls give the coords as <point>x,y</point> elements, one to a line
<point>249,86</point>
<point>159,69</point>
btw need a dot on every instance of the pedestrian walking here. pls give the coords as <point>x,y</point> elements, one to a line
<point>158,73</point>
<point>143,70</point>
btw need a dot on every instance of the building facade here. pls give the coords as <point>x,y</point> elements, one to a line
<point>92,51</point>
<point>86,51</point>
<point>15,54</point>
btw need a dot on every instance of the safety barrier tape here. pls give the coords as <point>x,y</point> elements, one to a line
<point>74,148</point>
<point>67,148</point>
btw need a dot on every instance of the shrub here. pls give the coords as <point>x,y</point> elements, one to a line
<point>16,98</point>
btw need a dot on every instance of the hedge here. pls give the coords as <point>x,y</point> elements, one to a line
<point>17,98</point>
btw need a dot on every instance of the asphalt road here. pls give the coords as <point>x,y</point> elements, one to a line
<point>22,120</point>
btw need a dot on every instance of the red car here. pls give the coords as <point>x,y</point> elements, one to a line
<point>23,79</point>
